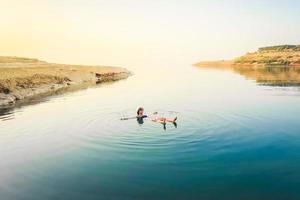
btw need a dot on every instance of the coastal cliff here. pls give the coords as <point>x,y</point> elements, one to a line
<point>24,78</point>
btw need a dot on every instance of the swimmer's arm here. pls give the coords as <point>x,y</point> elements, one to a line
<point>126,118</point>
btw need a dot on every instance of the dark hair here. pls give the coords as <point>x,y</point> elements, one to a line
<point>139,109</point>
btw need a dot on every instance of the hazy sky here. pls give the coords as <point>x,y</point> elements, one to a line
<point>122,32</point>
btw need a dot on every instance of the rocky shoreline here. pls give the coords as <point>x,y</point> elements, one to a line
<point>25,78</point>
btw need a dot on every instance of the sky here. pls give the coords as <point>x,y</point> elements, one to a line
<point>131,32</point>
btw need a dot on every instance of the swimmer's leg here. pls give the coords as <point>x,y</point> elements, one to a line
<point>160,120</point>
<point>172,120</point>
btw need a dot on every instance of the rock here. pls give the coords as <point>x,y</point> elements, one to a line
<point>98,75</point>
<point>18,95</point>
<point>6,99</point>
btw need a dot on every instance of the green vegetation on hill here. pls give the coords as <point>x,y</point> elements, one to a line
<point>288,55</point>
<point>280,48</point>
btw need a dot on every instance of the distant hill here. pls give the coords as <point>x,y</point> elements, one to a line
<point>281,55</point>
<point>280,48</point>
<point>14,59</point>
<point>272,55</point>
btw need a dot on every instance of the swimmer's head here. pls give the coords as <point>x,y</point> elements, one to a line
<point>140,111</point>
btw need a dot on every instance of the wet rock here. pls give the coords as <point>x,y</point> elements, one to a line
<point>98,75</point>
<point>4,89</point>
<point>18,95</point>
<point>7,99</point>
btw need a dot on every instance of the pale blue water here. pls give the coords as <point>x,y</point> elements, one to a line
<point>234,140</point>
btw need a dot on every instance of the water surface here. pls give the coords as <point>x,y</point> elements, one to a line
<point>235,139</point>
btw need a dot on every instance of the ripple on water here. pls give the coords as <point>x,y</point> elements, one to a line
<point>199,137</point>
<point>193,135</point>
<point>109,133</point>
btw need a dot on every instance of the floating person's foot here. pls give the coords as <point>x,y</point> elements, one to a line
<point>174,120</point>
<point>175,124</point>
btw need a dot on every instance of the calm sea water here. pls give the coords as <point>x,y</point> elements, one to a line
<point>235,139</point>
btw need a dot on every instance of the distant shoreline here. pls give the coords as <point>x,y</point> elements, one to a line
<point>281,55</point>
<point>217,63</point>
<point>272,66</point>
<point>26,78</point>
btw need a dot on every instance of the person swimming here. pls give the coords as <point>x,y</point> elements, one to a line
<point>140,116</point>
<point>162,120</point>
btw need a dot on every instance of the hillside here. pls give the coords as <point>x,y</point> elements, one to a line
<point>273,55</point>
<point>282,55</point>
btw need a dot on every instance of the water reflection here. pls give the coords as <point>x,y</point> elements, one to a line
<point>6,114</point>
<point>272,76</point>
<point>282,76</point>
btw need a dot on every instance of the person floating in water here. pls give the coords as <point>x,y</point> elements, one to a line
<point>140,114</point>
<point>140,118</point>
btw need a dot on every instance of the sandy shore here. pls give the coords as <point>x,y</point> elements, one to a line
<point>218,64</point>
<point>24,78</point>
